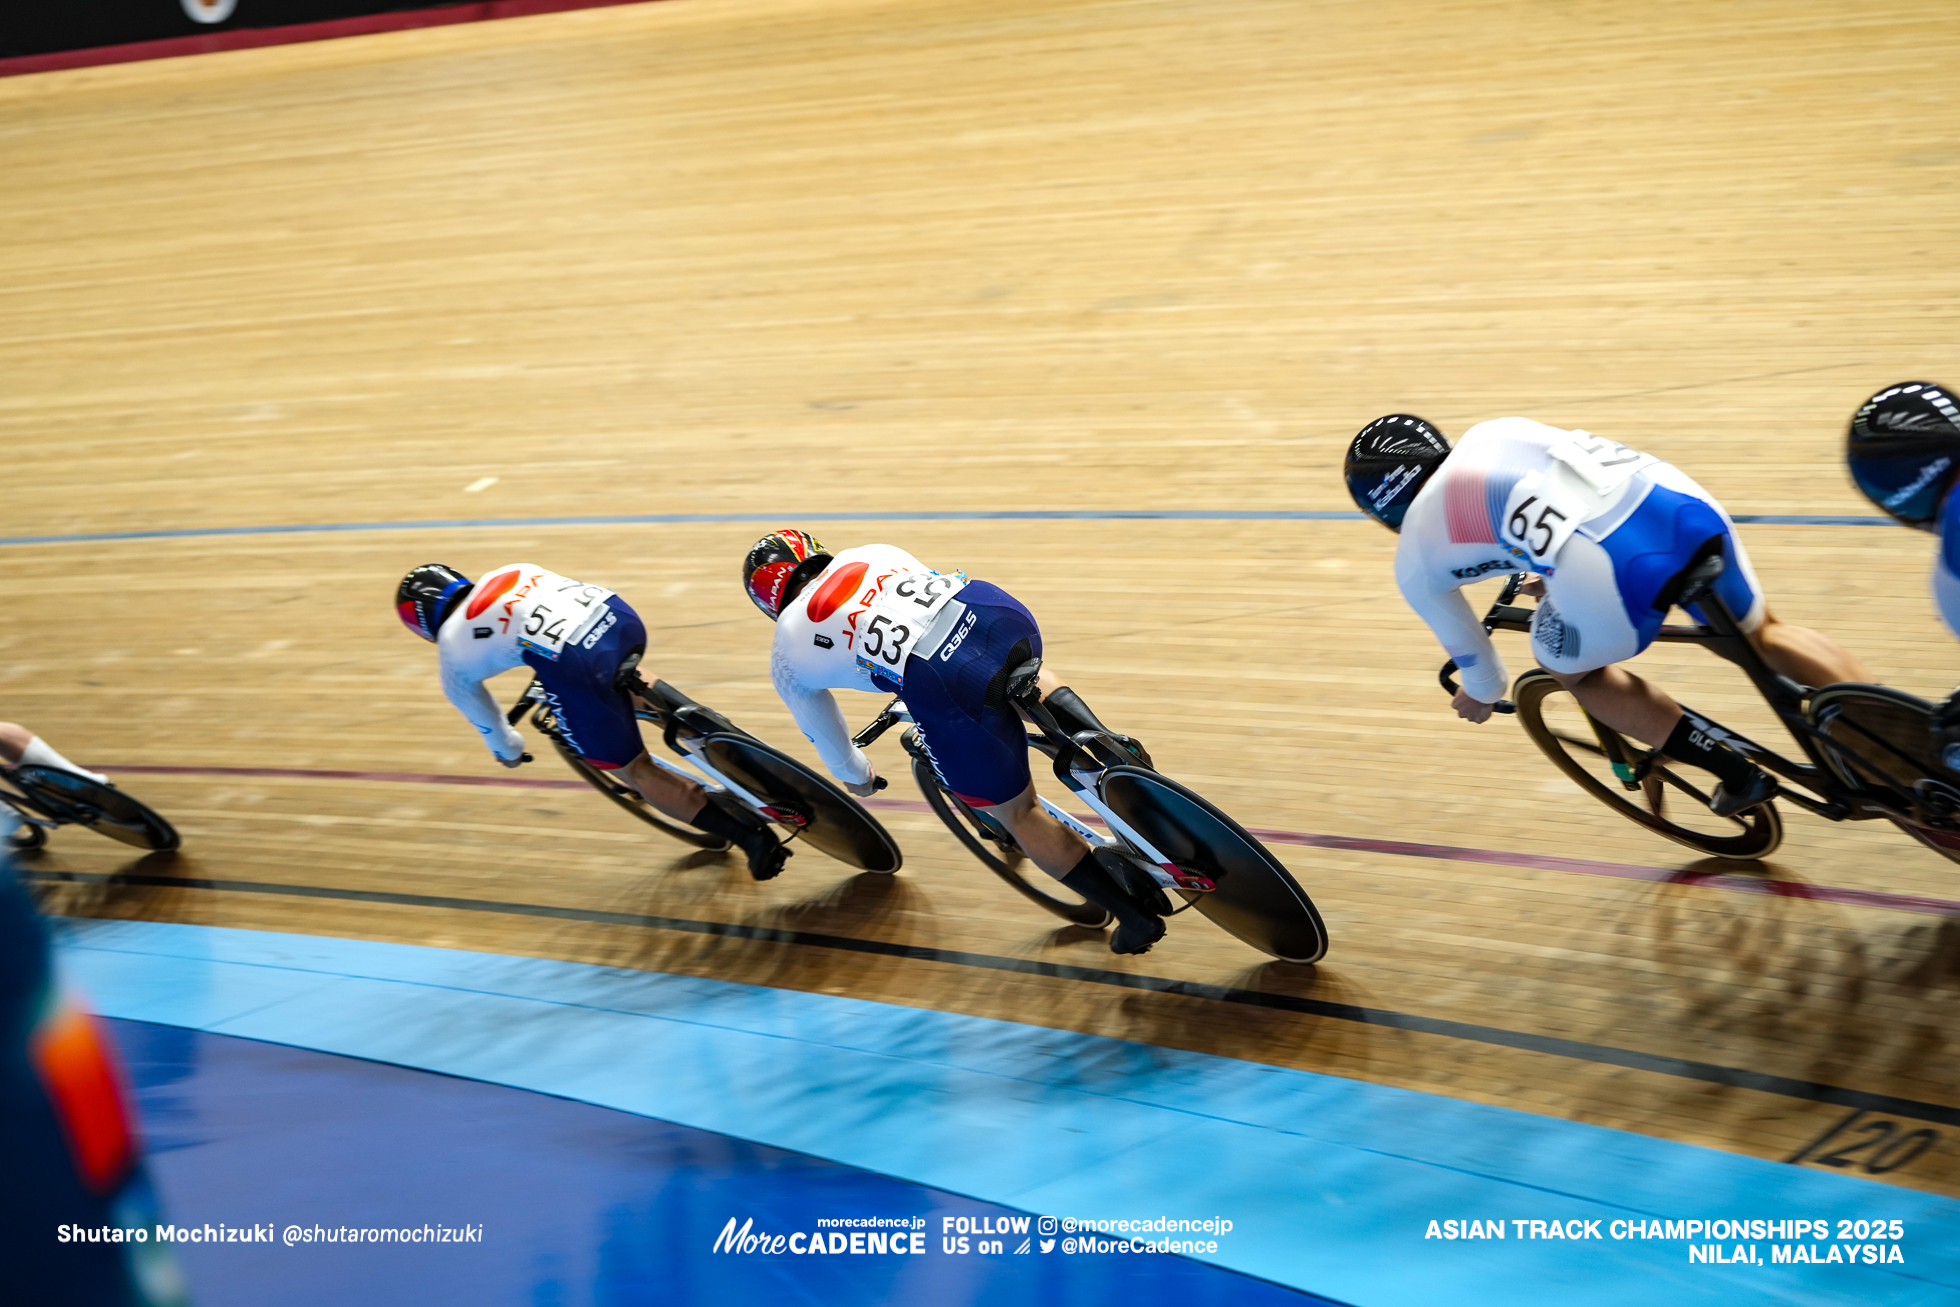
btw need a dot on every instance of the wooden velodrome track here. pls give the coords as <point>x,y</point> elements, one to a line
<point>860,256</point>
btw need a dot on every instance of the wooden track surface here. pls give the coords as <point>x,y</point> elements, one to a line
<point>720,256</point>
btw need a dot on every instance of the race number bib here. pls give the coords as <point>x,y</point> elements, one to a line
<point>900,620</point>
<point>1544,509</point>
<point>1602,464</point>
<point>563,612</point>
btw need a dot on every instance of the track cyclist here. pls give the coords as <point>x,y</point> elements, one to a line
<point>875,618</point>
<point>1903,451</point>
<point>1611,535</point>
<point>584,644</point>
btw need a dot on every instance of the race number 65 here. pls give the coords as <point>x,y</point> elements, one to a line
<point>1521,525</point>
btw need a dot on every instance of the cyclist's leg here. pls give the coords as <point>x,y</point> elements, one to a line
<point>1806,656</point>
<point>595,714</point>
<point>978,748</point>
<point>1621,587</point>
<point>20,745</point>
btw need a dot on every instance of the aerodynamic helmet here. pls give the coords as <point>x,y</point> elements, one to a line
<point>1388,463</point>
<point>1903,450</point>
<point>779,565</point>
<point>426,596</point>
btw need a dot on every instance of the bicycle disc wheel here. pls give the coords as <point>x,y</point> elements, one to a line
<point>997,853</point>
<point>832,821</point>
<point>1885,742</point>
<point>630,799</point>
<point>1667,801</point>
<point>69,798</point>
<point>1257,899</point>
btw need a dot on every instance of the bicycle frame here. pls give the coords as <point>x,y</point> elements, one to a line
<point>1722,636</point>
<point>687,746</point>
<point>1083,784</point>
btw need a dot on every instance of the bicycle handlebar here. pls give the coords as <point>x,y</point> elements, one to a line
<point>883,722</point>
<point>1502,705</point>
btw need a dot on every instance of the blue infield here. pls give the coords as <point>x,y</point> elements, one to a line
<point>786,1107</point>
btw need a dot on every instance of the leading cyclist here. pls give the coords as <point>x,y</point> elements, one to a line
<point>878,619</point>
<point>1611,535</point>
<point>1903,451</point>
<point>583,643</point>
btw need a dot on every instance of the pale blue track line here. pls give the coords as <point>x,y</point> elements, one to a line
<point>1332,1182</point>
<point>779,519</point>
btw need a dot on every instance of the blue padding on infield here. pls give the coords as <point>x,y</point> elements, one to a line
<point>1331,1183</point>
<point>547,1200</point>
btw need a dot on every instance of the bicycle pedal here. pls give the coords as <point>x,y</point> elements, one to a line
<point>786,816</point>
<point>1192,881</point>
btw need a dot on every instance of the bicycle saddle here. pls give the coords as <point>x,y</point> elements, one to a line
<point>696,717</point>
<point>1692,582</point>
<point>1021,683</point>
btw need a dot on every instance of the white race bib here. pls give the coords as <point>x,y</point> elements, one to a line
<point>562,612</point>
<point>1545,508</point>
<point>1602,464</point>
<point>898,622</point>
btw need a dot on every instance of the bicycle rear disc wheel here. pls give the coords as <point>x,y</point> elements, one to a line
<point>104,809</point>
<point>631,800</point>
<point>1003,859</point>
<point>1257,899</point>
<point>1886,743</point>
<point>834,823</point>
<point>1668,801</point>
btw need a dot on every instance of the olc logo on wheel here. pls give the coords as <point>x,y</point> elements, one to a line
<point>209,11</point>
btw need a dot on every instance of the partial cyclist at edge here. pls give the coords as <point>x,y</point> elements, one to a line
<point>584,645</point>
<point>875,618</point>
<point>1611,536</point>
<point>20,747</point>
<point>1903,451</point>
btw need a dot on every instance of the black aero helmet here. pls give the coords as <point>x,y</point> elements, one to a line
<point>779,565</point>
<point>1903,450</point>
<point>1389,462</point>
<point>426,596</point>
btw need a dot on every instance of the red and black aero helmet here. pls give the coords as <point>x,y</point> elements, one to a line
<point>779,565</point>
<point>1903,450</point>
<point>426,595</point>
<point>1390,460</point>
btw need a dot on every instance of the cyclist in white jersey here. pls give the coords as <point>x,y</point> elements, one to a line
<point>1903,451</point>
<point>875,618</point>
<point>20,746</point>
<point>1610,534</point>
<point>582,642</point>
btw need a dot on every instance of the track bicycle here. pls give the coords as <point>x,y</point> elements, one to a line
<point>738,771</point>
<point>45,798</point>
<point>1871,752</point>
<point>1181,843</point>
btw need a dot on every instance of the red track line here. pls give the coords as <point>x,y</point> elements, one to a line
<point>1447,852</point>
<point>247,38</point>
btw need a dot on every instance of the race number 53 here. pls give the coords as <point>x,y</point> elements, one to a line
<point>887,640</point>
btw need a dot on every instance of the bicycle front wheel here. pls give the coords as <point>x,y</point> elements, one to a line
<point>1665,800</point>
<point>1257,899</point>
<point>631,800</point>
<point>997,851</point>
